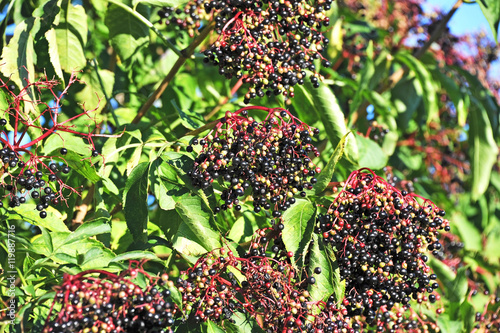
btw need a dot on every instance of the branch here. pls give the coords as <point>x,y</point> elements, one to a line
<point>185,54</point>
<point>203,128</point>
<point>84,207</point>
<point>223,101</point>
<point>439,30</point>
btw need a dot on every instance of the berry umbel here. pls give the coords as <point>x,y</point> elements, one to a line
<point>381,235</point>
<point>268,159</point>
<point>26,172</point>
<point>268,44</point>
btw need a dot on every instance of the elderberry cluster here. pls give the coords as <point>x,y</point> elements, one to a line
<point>269,158</point>
<point>27,180</point>
<point>380,235</point>
<point>269,289</point>
<point>112,304</point>
<point>268,44</point>
<point>208,288</point>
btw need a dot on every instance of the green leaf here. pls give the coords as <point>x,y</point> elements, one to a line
<point>135,203</point>
<point>189,119</point>
<point>242,324</point>
<point>78,150</point>
<point>63,257</point>
<point>371,154</point>
<point>364,78</point>
<point>491,10</point>
<point>211,327</point>
<point>128,34</point>
<point>413,160</point>
<point>244,227</point>
<point>92,95</point>
<point>48,14</point>
<point>4,101</point>
<point>196,222</point>
<point>336,40</point>
<point>47,240</point>
<point>83,167</point>
<point>89,229</point>
<point>471,236</point>
<point>325,282</point>
<point>96,257</point>
<point>467,314</point>
<point>299,222</point>
<point>338,283</point>
<point>453,90</point>
<point>458,288</point>
<point>64,244</point>
<point>19,56</point>
<point>429,93</point>
<point>406,97</point>
<point>179,234</point>
<point>51,37</point>
<point>160,3</point>
<point>160,186</point>
<point>136,255</point>
<point>492,250</point>
<point>69,141</point>
<point>449,326</point>
<point>455,284</point>
<point>325,105</point>
<point>189,224</point>
<point>326,174</point>
<point>134,160</point>
<point>28,213</point>
<point>484,150</point>
<point>71,37</point>
<point>444,273</point>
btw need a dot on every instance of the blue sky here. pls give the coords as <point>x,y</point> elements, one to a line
<point>468,17</point>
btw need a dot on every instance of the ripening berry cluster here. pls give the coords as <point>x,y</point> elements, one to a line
<point>41,182</point>
<point>270,159</point>
<point>268,44</point>
<point>24,172</point>
<point>208,289</point>
<point>381,235</point>
<point>265,288</point>
<point>30,182</point>
<point>113,303</point>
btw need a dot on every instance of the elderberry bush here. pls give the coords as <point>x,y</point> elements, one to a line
<point>380,236</point>
<point>267,44</point>
<point>270,159</point>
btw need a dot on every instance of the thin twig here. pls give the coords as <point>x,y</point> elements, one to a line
<point>185,54</point>
<point>203,128</point>
<point>223,101</point>
<point>84,207</point>
<point>108,103</point>
<point>118,208</point>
